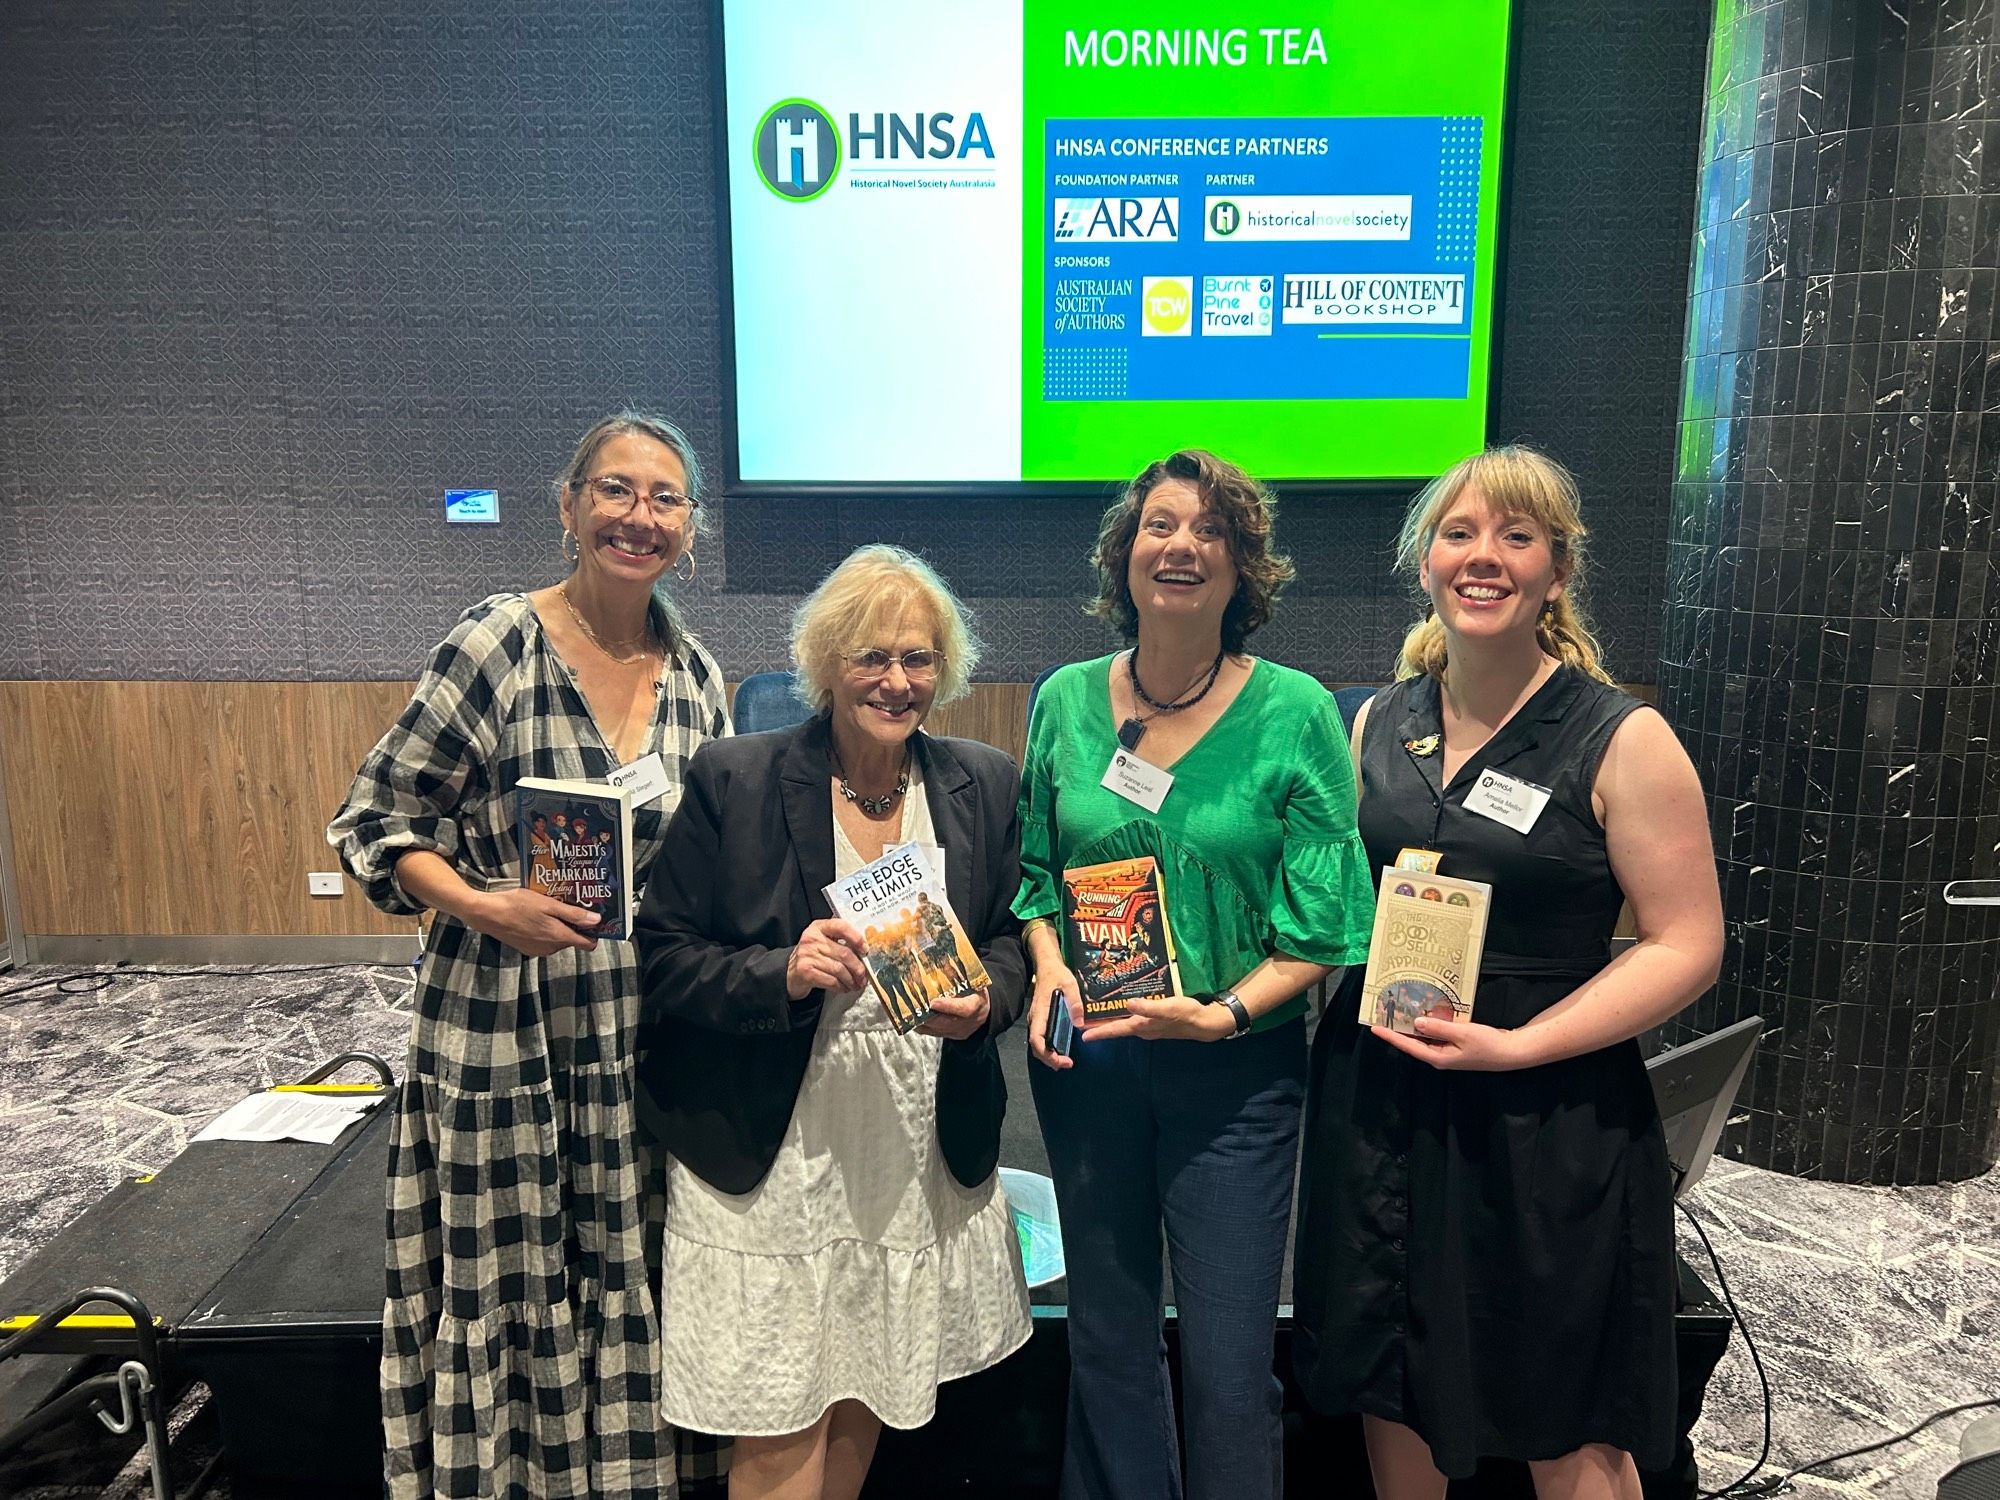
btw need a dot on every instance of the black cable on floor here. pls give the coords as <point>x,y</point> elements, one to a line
<point>1771,1486</point>
<point>1738,1485</point>
<point>96,981</point>
<point>1742,1486</point>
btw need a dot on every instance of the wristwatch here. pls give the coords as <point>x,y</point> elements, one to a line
<point>1236,1009</point>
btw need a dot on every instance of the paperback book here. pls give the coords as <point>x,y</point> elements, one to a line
<point>1423,959</point>
<point>1119,939</point>
<point>917,950</point>
<point>576,845</point>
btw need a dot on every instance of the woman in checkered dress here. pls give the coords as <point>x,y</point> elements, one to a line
<point>520,1343</point>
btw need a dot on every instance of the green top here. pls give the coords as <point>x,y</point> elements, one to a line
<point>1256,841</point>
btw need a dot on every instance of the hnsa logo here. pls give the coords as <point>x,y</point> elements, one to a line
<point>938,136</point>
<point>799,149</point>
<point>1118,219</point>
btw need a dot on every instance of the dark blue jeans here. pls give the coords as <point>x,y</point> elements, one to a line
<point>1201,1138</point>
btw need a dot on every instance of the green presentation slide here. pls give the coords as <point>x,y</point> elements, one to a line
<point>1317,345</point>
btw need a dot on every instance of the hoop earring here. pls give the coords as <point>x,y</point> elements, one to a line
<point>689,557</point>
<point>568,548</point>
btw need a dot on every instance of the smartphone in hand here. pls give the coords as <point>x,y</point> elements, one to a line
<point>1061,1033</point>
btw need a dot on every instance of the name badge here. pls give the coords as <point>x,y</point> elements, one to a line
<point>934,857</point>
<point>645,778</point>
<point>1136,781</point>
<point>1506,799</point>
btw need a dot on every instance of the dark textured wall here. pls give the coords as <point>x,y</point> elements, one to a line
<point>280,274</point>
<point>1831,652</point>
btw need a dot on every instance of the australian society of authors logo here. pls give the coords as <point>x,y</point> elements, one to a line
<point>798,150</point>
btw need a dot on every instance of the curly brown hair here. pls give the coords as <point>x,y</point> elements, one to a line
<point>1245,507</point>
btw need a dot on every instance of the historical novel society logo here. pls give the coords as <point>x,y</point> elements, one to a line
<point>798,150</point>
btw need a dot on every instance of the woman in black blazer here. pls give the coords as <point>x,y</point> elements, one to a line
<point>836,1242</point>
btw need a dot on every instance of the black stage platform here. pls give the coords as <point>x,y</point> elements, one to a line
<point>262,1266</point>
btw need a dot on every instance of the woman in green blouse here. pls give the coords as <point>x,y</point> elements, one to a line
<point>1233,774</point>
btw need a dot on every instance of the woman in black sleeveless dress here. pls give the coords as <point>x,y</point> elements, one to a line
<point>1485,1249</point>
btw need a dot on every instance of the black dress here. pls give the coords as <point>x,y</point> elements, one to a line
<point>1489,1257</point>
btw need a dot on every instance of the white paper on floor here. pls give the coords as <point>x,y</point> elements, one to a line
<point>319,1118</point>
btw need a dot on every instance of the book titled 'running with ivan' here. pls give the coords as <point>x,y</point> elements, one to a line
<point>917,950</point>
<point>576,845</point>
<point>1120,943</point>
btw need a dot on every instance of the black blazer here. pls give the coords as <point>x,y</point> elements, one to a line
<point>722,1048</point>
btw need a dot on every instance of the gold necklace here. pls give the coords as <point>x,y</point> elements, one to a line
<point>582,624</point>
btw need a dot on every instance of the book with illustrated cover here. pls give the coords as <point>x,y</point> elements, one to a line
<point>1423,959</point>
<point>576,845</point>
<point>1119,939</point>
<point>917,950</point>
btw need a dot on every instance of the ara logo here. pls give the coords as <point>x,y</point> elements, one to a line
<point>1118,219</point>
<point>798,150</point>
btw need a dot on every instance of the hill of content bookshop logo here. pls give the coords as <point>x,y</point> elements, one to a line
<point>798,150</point>
<point>1168,306</point>
<point>1118,219</point>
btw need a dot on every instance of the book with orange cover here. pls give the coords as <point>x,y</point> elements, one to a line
<point>1120,943</point>
<point>918,951</point>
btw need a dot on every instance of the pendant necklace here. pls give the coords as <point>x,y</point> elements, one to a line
<point>1130,732</point>
<point>645,636</point>
<point>875,807</point>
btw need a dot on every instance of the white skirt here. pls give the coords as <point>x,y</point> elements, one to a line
<point>858,1269</point>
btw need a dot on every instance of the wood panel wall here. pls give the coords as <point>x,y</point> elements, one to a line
<point>184,808</point>
<point>198,808</point>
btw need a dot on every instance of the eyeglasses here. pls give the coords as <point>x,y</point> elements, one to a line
<point>619,498</point>
<point>918,666</point>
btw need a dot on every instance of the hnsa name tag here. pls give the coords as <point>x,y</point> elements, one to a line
<point>1136,781</point>
<point>645,778</point>
<point>1507,799</point>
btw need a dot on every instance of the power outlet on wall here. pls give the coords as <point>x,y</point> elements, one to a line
<point>323,883</point>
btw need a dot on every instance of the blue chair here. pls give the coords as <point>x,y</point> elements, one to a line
<point>1349,701</point>
<point>769,700</point>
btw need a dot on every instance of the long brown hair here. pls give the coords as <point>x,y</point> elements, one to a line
<point>1514,481</point>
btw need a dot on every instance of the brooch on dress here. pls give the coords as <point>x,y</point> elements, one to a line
<point>1426,746</point>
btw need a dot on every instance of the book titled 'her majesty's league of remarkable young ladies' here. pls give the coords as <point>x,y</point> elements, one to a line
<point>1118,934</point>
<point>1423,959</point>
<point>918,952</point>
<point>576,845</point>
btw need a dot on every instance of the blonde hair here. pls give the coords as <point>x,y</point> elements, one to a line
<point>1514,481</point>
<point>863,598</point>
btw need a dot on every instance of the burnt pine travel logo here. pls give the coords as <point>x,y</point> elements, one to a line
<point>798,150</point>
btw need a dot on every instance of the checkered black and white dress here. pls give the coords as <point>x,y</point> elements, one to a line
<point>520,1345</point>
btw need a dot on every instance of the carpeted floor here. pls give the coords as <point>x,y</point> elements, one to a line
<point>1873,1307</point>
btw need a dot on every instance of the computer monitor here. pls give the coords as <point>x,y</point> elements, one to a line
<point>1695,1086</point>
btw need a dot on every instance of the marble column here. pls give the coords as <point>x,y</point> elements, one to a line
<point>1832,626</point>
